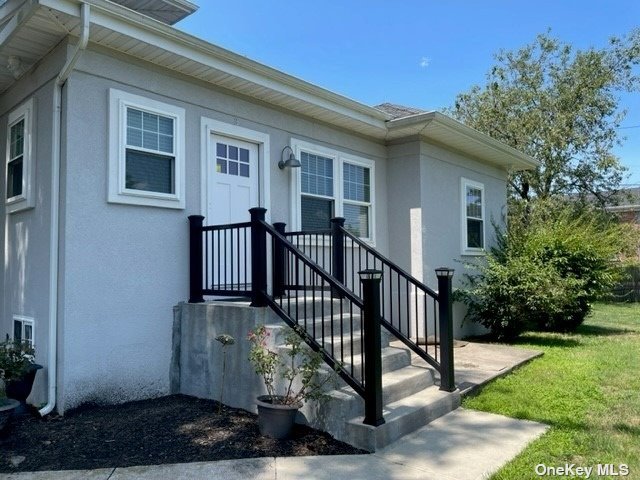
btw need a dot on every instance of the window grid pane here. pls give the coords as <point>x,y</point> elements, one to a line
<point>357,183</point>
<point>232,160</point>
<point>150,131</point>
<point>474,202</point>
<point>16,147</point>
<point>317,174</point>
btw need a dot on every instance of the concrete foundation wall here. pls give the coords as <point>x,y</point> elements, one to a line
<point>197,358</point>
<point>197,361</point>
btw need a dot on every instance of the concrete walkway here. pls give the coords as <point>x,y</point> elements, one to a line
<point>462,445</point>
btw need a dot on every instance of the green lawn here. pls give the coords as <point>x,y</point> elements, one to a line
<point>586,387</point>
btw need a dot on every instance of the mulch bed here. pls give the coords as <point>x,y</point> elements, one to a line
<point>173,429</point>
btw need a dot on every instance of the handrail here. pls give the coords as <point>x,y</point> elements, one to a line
<point>334,357</point>
<point>399,319</point>
<point>229,226</point>
<point>313,266</point>
<point>389,263</point>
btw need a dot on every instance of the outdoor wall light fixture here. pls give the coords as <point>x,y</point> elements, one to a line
<point>291,162</point>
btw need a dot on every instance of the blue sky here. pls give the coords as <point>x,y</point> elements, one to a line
<point>417,53</point>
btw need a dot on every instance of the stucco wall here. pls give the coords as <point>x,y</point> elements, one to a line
<point>428,213</point>
<point>24,280</point>
<point>441,175</point>
<point>125,266</point>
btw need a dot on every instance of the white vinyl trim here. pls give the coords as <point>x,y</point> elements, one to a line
<point>340,158</point>
<point>466,250</point>
<point>26,199</point>
<point>119,101</point>
<point>210,126</point>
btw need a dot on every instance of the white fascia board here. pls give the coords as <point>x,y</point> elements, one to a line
<point>152,32</point>
<point>22,16</point>
<point>520,160</point>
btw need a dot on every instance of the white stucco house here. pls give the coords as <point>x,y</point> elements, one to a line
<point>115,127</point>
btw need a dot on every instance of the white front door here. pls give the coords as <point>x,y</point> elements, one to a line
<point>233,190</point>
<point>234,183</point>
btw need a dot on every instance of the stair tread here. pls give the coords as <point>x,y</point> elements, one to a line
<point>390,379</point>
<point>422,399</point>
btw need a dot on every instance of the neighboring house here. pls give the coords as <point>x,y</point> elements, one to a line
<point>118,126</point>
<point>628,208</point>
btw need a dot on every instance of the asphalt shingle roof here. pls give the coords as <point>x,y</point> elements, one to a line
<point>398,111</point>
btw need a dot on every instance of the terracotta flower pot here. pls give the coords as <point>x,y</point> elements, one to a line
<point>276,420</point>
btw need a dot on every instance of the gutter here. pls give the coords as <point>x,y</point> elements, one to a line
<point>424,119</point>
<point>54,246</point>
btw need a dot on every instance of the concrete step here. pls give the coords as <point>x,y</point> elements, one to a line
<point>342,346</point>
<point>321,304</point>
<point>402,417</point>
<point>392,359</point>
<point>345,323</point>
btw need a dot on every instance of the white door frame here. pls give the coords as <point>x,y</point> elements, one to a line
<point>210,126</point>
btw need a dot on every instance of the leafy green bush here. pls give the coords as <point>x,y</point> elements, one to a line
<point>552,261</point>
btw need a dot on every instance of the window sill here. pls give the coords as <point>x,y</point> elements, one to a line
<point>147,200</point>
<point>474,253</point>
<point>18,204</point>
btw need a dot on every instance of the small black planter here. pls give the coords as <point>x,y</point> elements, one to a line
<point>21,388</point>
<point>7,407</point>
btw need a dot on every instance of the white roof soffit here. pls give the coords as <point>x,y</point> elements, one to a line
<point>442,129</point>
<point>124,30</point>
<point>166,11</point>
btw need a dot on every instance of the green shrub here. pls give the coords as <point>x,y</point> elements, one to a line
<point>552,261</point>
<point>516,295</point>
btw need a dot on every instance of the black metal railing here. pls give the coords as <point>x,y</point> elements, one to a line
<point>414,313</point>
<point>221,257</point>
<point>334,289</point>
<point>316,245</point>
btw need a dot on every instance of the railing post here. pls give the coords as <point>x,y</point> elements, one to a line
<point>445,309</point>
<point>195,258</point>
<point>337,252</point>
<point>279,266</point>
<point>372,348</point>
<point>258,257</point>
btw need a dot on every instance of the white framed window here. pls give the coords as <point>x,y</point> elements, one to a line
<point>23,329</point>
<point>473,217</point>
<point>333,184</point>
<point>20,169</point>
<point>146,151</point>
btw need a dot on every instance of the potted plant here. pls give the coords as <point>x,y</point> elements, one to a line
<point>17,363</point>
<point>7,405</point>
<point>294,373</point>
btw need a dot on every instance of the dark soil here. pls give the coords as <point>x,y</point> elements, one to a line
<point>172,429</point>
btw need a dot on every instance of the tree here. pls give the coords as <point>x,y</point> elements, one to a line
<point>560,107</point>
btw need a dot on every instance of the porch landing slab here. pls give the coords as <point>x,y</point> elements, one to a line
<point>479,363</point>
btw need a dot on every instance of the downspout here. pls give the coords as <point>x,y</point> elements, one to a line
<point>54,245</point>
